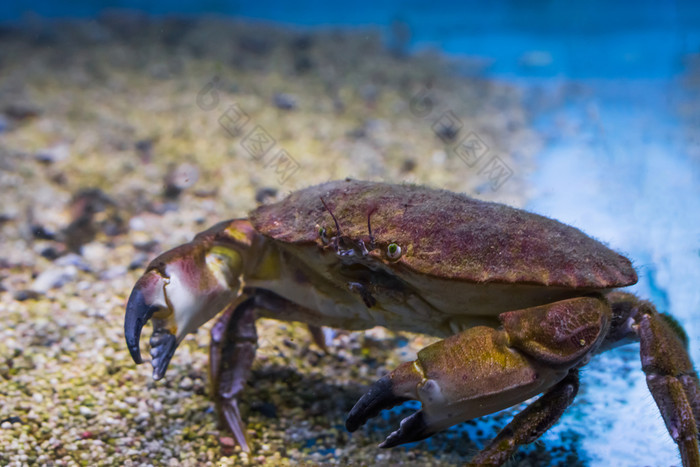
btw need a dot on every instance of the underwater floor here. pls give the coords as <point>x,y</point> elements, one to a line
<point>116,143</point>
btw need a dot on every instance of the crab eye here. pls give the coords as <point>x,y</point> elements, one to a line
<point>323,233</point>
<point>393,251</point>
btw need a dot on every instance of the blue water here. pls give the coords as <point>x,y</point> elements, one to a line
<point>616,167</point>
<point>574,39</point>
<point>603,85</point>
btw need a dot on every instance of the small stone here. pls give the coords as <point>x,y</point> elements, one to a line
<point>73,259</point>
<point>113,272</point>
<point>85,411</point>
<point>50,253</point>
<point>144,148</point>
<point>285,101</point>
<point>23,295</point>
<point>42,233</point>
<point>95,252</point>
<point>186,383</point>
<point>137,224</point>
<point>179,179</point>
<point>53,278</point>
<point>21,110</point>
<point>227,441</point>
<point>408,165</point>
<point>148,246</point>
<point>138,261</point>
<point>37,397</point>
<point>262,194</point>
<point>53,154</point>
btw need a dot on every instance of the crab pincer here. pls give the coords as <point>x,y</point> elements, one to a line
<point>467,375</point>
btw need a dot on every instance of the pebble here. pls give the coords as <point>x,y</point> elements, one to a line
<point>40,232</point>
<point>22,295</point>
<point>53,154</point>
<point>137,224</point>
<point>113,272</point>
<point>139,260</point>
<point>95,253</point>
<point>144,148</point>
<point>50,253</point>
<point>21,110</point>
<point>285,101</point>
<point>180,179</point>
<point>262,194</point>
<point>73,259</point>
<point>186,383</point>
<point>226,441</point>
<point>54,277</point>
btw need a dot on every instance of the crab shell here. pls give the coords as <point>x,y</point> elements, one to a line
<point>448,235</point>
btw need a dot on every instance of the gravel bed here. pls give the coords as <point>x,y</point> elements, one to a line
<point>119,139</point>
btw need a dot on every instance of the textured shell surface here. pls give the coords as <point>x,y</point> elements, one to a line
<point>447,235</point>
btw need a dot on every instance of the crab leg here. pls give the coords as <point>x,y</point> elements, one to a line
<point>669,371</point>
<point>231,355</point>
<point>318,337</point>
<point>232,351</point>
<point>483,370</point>
<point>531,423</point>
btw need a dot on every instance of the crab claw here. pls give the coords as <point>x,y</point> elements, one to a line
<point>390,391</point>
<point>148,301</point>
<point>467,375</point>
<point>140,308</point>
<point>181,290</point>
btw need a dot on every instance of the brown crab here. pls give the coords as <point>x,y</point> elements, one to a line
<point>521,300</point>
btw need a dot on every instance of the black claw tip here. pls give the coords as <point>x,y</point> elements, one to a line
<point>379,396</point>
<point>137,314</point>
<point>163,346</point>
<point>413,428</point>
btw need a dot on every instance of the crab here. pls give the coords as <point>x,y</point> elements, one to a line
<point>520,301</point>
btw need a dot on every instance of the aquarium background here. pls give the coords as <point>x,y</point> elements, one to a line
<point>588,113</point>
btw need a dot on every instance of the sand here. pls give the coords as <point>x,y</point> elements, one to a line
<point>124,136</point>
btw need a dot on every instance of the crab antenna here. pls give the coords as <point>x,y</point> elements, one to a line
<point>337,226</point>
<point>335,240</point>
<point>369,227</point>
